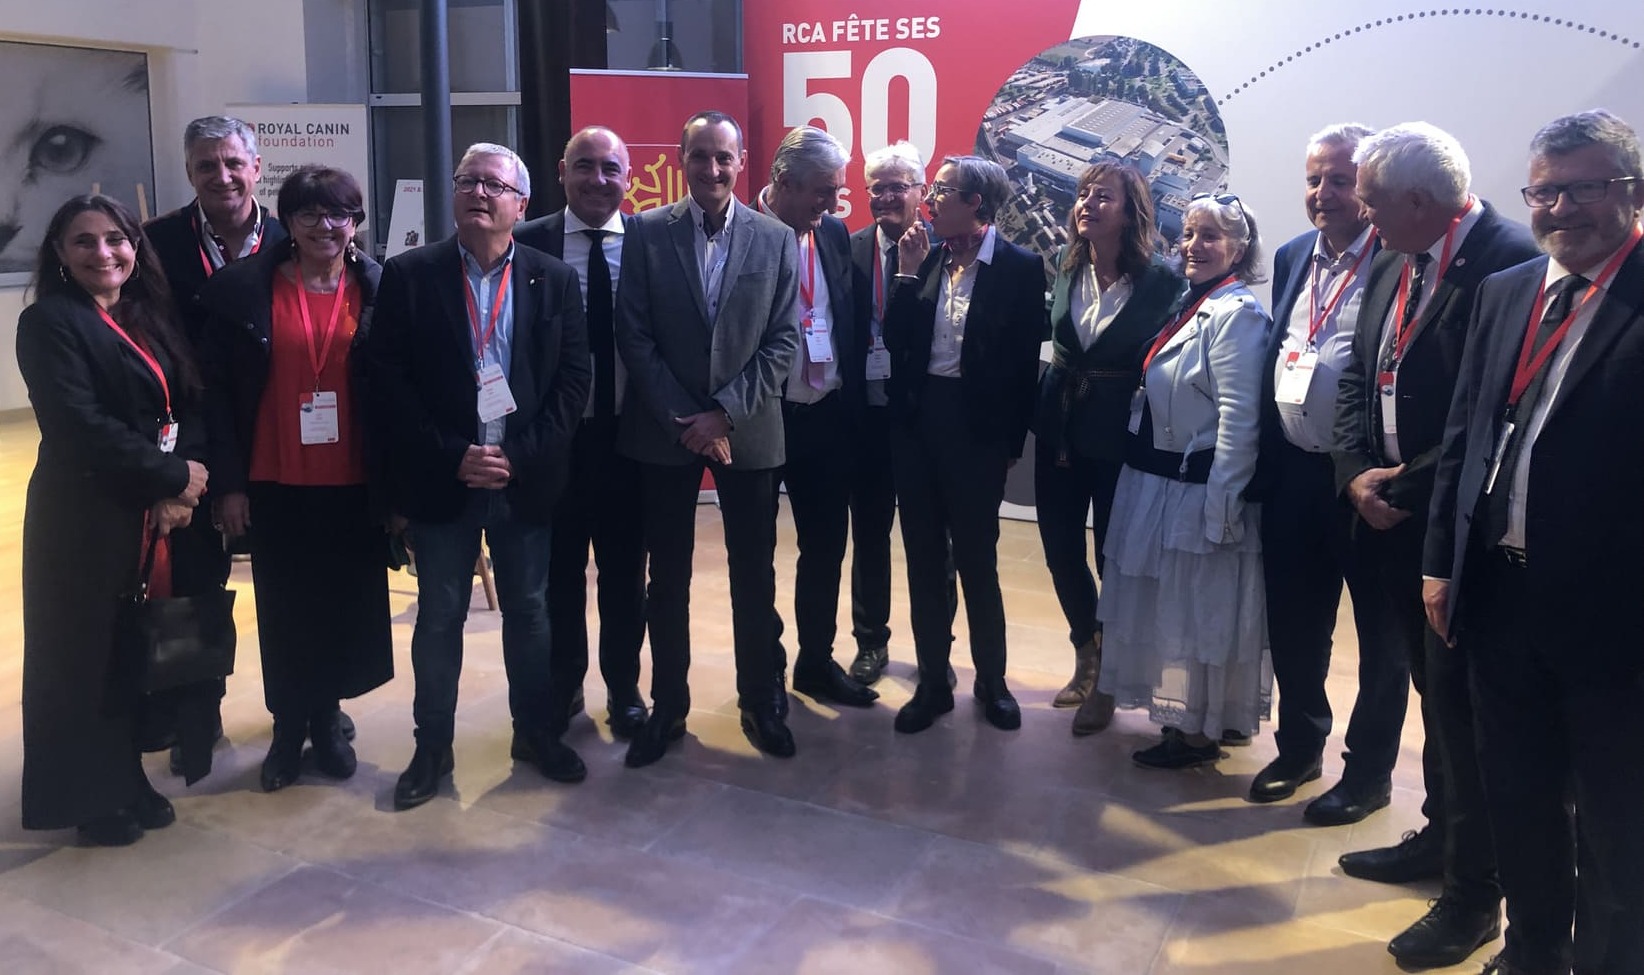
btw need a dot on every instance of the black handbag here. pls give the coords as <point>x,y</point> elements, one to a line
<point>178,640</point>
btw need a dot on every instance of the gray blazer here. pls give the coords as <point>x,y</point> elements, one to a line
<point>679,362</point>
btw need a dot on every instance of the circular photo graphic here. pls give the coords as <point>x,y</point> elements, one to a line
<point>1093,99</point>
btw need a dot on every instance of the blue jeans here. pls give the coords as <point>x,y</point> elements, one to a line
<point>446,554</point>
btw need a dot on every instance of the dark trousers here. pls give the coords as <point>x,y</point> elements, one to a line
<point>817,440</point>
<point>446,553</point>
<point>949,485</point>
<point>602,507</point>
<point>1543,733</point>
<point>1306,556</point>
<point>750,545</point>
<point>1064,495</point>
<point>873,512</point>
<point>1390,563</point>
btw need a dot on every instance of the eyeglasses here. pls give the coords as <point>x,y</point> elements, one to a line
<point>309,219</point>
<point>891,189</point>
<point>1583,191</point>
<point>492,186</point>
<point>940,188</point>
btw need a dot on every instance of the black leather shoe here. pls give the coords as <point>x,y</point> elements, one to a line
<point>998,704</point>
<point>625,715</point>
<point>768,733</point>
<point>1347,803</point>
<point>1449,932</point>
<point>1418,856</point>
<point>346,725</point>
<point>284,761</point>
<point>119,829</point>
<point>1173,752</point>
<point>333,755</point>
<point>779,695</point>
<point>420,781</point>
<point>1283,776</point>
<point>920,713</point>
<point>869,665</point>
<point>557,760</point>
<point>651,742</point>
<point>153,811</point>
<point>829,682</point>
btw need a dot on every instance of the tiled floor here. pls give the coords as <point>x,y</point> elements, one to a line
<point>960,850</point>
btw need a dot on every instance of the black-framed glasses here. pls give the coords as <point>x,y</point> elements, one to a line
<point>491,186</point>
<point>891,189</point>
<point>338,217</point>
<point>1582,191</point>
<point>1226,200</point>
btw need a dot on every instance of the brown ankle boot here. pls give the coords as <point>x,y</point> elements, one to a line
<point>1096,710</point>
<point>1086,661</point>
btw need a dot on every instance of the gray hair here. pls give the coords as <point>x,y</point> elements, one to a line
<point>214,127</point>
<point>901,157</point>
<point>1417,157</point>
<point>522,175</point>
<point>1596,127</point>
<point>986,179</point>
<point>1235,219</point>
<point>806,151</point>
<point>1342,135</point>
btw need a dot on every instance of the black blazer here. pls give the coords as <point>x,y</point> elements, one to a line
<point>999,360</point>
<point>849,323</point>
<point>1583,531</point>
<point>176,240</point>
<point>862,245</point>
<point>424,410</point>
<point>238,303</point>
<point>1089,418</point>
<point>1427,374</point>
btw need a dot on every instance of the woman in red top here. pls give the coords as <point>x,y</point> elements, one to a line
<point>282,410</point>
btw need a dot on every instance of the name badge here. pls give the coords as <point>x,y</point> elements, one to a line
<point>818,338</point>
<point>168,438</point>
<point>1296,378</point>
<point>1502,443</point>
<point>1387,389</point>
<point>496,400</point>
<point>879,365</point>
<point>317,417</point>
<point>1138,400</point>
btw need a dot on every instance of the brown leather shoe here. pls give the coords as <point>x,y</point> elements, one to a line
<point>1087,660</point>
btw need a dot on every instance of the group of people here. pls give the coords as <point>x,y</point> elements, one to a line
<point>560,385</point>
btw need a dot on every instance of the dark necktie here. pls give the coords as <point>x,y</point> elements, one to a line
<point>601,334</point>
<point>1563,298</point>
<point>1418,281</point>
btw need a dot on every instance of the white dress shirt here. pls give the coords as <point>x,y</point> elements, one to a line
<point>1093,307</point>
<point>1311,425</point>
<point>952,308</point>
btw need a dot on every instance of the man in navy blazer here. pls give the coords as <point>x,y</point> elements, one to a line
<point>478,375</point>
<point>602,505</point>
<point>707,324</point>
<point>1532,554</point>
<point>1440,241</point>
<point>1318,289</point>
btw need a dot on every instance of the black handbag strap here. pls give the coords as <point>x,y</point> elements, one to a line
<point>145,568</point>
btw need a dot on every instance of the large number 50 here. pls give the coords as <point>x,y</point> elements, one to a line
<point>801,106</point>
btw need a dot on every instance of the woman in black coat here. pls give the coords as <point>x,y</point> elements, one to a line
<point>1109,301</point>
<point>284,378</point>
<point>111,384</point>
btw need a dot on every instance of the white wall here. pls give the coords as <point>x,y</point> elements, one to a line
<point>202,55</point>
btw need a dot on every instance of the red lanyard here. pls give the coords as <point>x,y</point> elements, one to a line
<point>153,363</point>
<point>481,341</point>
<point>318,358</point>
<point>807,281</point>
<point>1530,360</point>
<point>1170,330</point>
<point>1316,318</point>
<point>1405,331</point>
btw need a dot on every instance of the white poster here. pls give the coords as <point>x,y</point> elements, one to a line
<point>405,219</point>
<point>293,135</point>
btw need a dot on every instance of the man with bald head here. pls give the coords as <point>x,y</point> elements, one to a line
<point>602,503</point>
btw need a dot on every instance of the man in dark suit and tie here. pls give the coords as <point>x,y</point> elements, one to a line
<point>1532,555</point>
<point>708,324</point>
<point>479,372</point>
<point>821,400</point>
<point>1318,289</point>
<point>1440,241</point>
<point>602,505</point>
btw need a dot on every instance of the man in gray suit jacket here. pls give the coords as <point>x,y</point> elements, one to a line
<point>707,323</point>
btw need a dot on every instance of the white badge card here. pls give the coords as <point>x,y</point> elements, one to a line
<point>1138,400</point>
<point>1387,389</point>
<point>317,417</point>
<point>1500,454</point>
<point>496,400</point>
<point>168,438</point>
<point>878,360</point>
<point>818,338</point>
<point>1296,378</point>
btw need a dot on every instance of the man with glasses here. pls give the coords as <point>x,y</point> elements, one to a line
<point>1439,241</point>
<point>479,372</point>
<point>1532,555</point>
